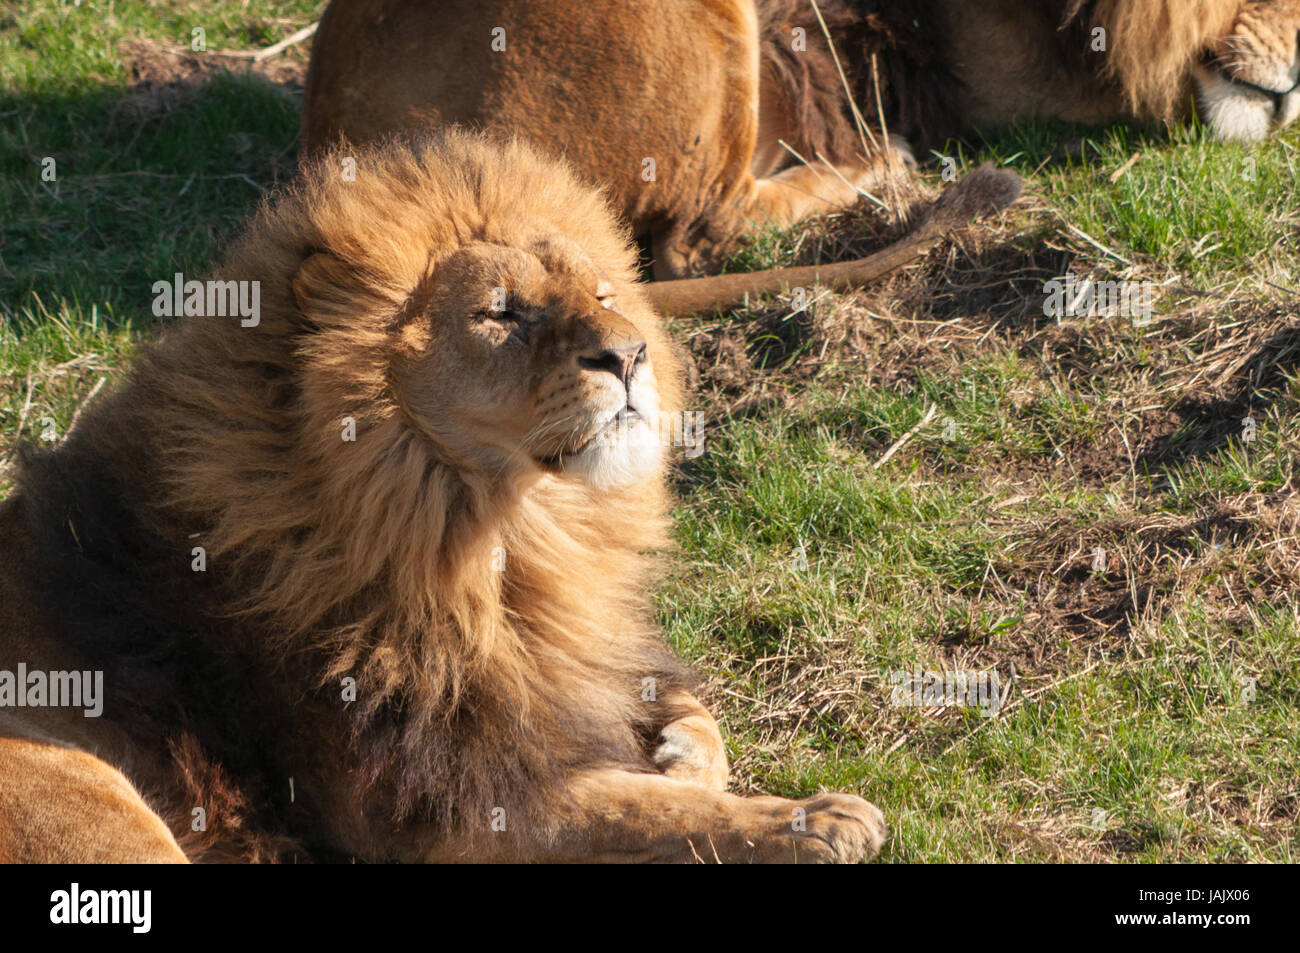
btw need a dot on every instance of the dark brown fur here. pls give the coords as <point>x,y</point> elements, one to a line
<point>897,56</point>
<point>906,41</point>
<point>1152,47</point>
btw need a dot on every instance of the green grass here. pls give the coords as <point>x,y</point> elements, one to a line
<point>798,557</point>
<point>1126,735</point>
<point>1205,208</point>
<point>143,187</point>
<point>807,571</point>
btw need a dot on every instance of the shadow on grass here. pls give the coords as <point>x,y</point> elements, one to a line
<point>1207,426</point>
<point>994,286</point>
<point>1046,145</point>
<point>148,180</point>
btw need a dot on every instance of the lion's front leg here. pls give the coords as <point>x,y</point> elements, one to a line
<point>689,746</point>
<point>612,815</point>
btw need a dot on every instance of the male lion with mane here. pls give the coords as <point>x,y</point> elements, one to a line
<point>368,579</point>
<point>692,112</point>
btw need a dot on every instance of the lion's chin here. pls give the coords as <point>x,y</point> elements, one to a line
<point>1234,111</point>
<point>617,456</point>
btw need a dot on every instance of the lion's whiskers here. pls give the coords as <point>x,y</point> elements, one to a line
<point>536,436</point>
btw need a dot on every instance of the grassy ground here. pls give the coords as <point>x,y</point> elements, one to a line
<point>1083,510</point>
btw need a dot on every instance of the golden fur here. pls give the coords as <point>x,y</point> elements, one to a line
<point>477,557</point>
<point>715,90</point>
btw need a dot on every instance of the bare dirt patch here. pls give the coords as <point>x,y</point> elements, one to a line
<point>164,78</point>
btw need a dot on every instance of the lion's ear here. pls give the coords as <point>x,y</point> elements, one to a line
<point>326,288</point>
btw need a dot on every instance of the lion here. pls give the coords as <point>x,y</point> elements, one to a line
<point>364,573</point>
<point>709,121</point>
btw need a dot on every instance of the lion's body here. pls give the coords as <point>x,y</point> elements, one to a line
<point>668,117</point>
<point>478,582</point>
<point>710,90</point>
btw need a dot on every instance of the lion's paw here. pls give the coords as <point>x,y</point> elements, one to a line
<point>827,829</point>
<point>852,829</point>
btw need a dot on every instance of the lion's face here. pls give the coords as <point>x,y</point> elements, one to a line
<point>521,358</point>
<point>1249,84</point>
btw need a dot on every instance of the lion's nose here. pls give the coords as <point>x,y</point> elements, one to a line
<point>619,361</point>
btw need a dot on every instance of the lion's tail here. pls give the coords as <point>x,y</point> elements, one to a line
<point>982,191</point>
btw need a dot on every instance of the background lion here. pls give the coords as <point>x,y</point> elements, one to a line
<point>680,108</point>
<point>368,577</point>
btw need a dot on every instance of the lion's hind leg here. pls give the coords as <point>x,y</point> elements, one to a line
<point>802,191</point>
<point>60,805</point>
<point>781,200</point>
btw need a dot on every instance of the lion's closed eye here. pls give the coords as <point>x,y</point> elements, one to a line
<point>518,320</point>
